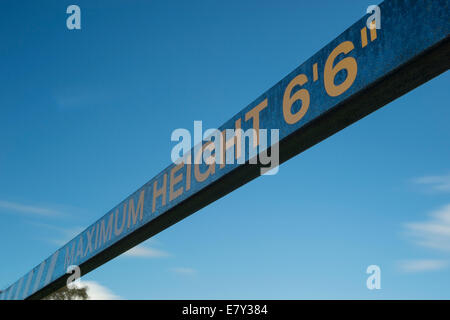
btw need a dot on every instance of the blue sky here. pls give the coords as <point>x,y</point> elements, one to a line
<point>86,118</point>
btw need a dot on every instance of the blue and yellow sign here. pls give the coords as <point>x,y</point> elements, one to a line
<point>355,74</point>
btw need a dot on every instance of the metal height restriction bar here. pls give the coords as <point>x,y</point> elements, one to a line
<point>355,74</point>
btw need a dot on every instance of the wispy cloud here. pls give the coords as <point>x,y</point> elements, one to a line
<point>434,183</point>
<point>434,232</point>
<point>7,206</point>
<point>423,265</point>
<point>60,235</point>
<point>183,271</point>
<point>145,252</point>
<point>97,291</point>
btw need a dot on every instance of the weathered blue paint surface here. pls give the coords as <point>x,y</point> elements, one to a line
<point>408,28</point>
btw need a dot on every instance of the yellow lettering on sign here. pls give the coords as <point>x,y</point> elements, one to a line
<point>159,192</point>
<point>140,209</point>
<point>106,232</point>
<point>234,141</point>
<point>118,231</point>
<point>173,194</point>
<point>330,71</point>
<point>202,176</point>
<point>288,100</point>
<point>373,30</point>
<point>315,72</point>
<point>254,114</point>
<point>68,259</point>
<point>96,237</point>
<point>89,236</point>
<point>80,249</point>
<point>188,174</point>
<point>363,37</point>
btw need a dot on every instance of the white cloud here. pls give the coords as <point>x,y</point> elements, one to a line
<point>28,209</point>
<point>145,252</point>
<point>183,270</point>
<point>433,233</point>
<point>96,291</point>
<point>422,265</point>
<point>435,183</point>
